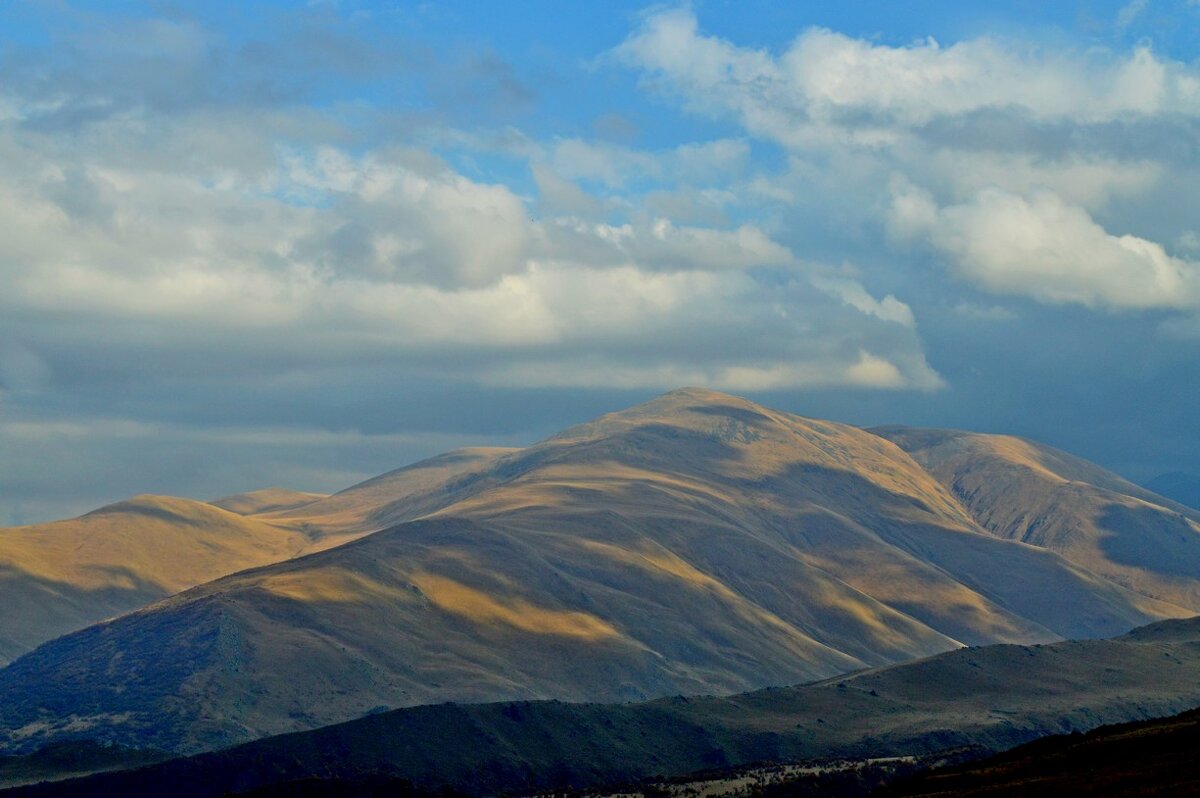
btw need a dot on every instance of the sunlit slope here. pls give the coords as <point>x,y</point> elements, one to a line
<point>59,577</point>
<point>992,697</point>
<point>62,576</point>
<point>697,543</point>
<point>267,500</point>
<point>1021,490</point>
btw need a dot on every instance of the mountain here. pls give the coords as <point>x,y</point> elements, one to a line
<point>694,544</point>
<point>1183,488</point>
<point>992,697</point>
<point>62,576</point>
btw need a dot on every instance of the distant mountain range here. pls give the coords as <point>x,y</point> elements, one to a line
<point>698,543</point>
<point>59,577</point>
<point>992,697</point>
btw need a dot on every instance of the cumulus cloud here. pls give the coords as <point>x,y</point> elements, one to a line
<point>394,255</point>
<point>827,80</point>
<point>1043,247</point>
<point>1017,158</point>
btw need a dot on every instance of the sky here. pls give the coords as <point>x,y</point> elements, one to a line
<point>303,243</point>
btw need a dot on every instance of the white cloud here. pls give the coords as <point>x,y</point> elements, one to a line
<point>323,255</point>
<point>1043,247</point>
<point>1087,181</point>
<point>866,371</point>
<point>1006,152</point>
<point>1129,12</point>
<point>826,80</point>
<point>661,245</point>
<point>854,295</point>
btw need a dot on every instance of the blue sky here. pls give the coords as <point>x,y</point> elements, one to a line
<point>303,243</point>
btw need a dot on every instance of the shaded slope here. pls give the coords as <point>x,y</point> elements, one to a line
<point>62,576</point>
<point>697,543</point>
<point>1020,490</point>
<point>994,697</point>
<point>400,495</point>
<point>63,760</point>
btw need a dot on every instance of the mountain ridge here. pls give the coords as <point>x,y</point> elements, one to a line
<point>695,543</point>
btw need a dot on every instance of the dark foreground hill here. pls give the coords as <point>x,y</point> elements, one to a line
<point>698,543</point>
<point>994,697</point>
<point>1148,758</point>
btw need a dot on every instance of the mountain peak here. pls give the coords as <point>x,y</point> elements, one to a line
<point>693,397</point>
<point>699,394</point>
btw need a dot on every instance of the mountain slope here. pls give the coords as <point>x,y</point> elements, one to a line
<point>697,543</point>
<point>62,576</point>
<point>994,697</point>
<point>1020,490</point>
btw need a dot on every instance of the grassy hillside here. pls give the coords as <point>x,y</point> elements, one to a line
<point>995,696</point>
<point>697,543</point>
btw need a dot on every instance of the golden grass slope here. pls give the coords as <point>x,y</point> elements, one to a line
<point>697,543</point>
<point>59,577</point>
<point>267,500</point>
